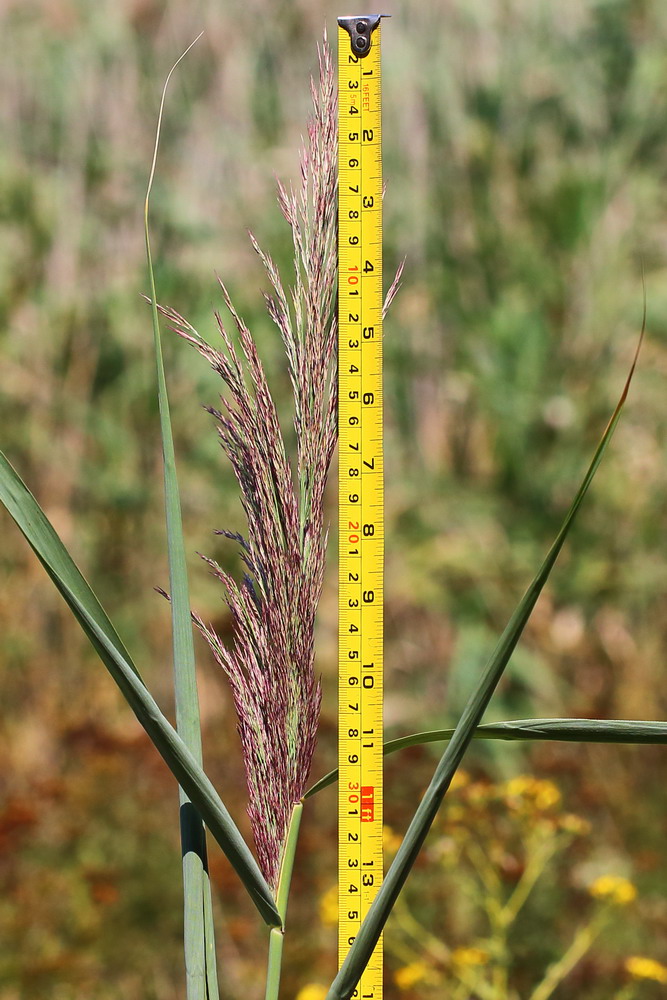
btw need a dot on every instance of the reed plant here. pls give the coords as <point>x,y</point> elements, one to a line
<point>270,662</point>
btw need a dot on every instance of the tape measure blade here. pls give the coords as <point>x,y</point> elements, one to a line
<point>361,494</point>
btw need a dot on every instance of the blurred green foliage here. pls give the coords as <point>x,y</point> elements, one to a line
<point>525,149</point>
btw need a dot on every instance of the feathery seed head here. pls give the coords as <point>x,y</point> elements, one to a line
<point>270,664</point>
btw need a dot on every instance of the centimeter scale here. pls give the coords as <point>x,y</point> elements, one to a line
<point>361,500</point>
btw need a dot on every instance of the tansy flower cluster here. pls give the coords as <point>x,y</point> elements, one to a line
<point>495,842</point>
<point>640,967</point>
<point>613,889</point>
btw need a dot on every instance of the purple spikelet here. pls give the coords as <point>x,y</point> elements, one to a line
<point>271,662</point>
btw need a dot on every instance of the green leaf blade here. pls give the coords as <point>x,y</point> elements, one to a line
<point>632,732</point>
<point>45,543</point>
<point>87,610</point>
<point>371,928</point>
<point>199,938</point>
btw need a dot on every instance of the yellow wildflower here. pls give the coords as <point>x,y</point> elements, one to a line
<point>411,974</point>
<point>518,787</point>
<point>329,907</point>
<point>546,794</point>
<point>312,991</point>
<point>541,793</point>
<point>470,956</point>
<point>390,840</point>
<point>577,825</point>
<point>640,967</point>
<point>613,888</point>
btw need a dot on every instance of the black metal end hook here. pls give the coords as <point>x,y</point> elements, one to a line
<point>360,29</point>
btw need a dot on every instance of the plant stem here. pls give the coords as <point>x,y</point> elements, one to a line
<point>536,865</point>
<point>276,938</point>
<point>277,934</point>
<point>582,941</point>
<point>410,926</point>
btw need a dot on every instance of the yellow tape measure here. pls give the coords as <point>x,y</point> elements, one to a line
<point>361,500</point>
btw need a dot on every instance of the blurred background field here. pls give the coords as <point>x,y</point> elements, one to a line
<point>525,148</point>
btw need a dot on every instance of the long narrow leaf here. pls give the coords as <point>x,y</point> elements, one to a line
<point>60,566</point>
<point>199,940</point>
<point>53,555</point>
<point>628,731</point>
<point>371,927</point>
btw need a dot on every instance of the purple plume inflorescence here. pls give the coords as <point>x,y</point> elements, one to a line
<point>271,662</point>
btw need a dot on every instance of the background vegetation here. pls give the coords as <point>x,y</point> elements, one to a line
<point>525,154</point>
